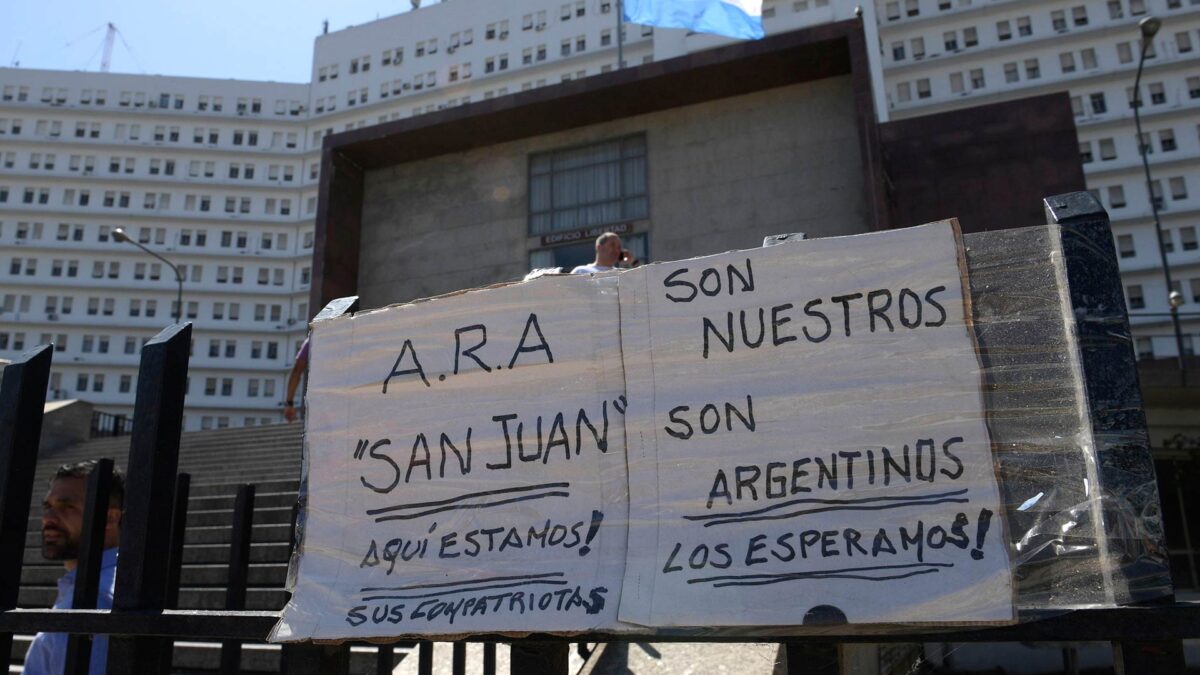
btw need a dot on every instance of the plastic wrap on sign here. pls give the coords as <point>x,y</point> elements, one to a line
<point>874,434</point>
<point>808,435</point>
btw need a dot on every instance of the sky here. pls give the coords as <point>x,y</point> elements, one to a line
<point>240,39</point>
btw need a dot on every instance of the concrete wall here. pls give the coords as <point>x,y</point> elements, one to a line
<point>722,175</point>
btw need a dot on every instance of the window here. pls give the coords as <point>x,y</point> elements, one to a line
<point>950,39</point>
<point>1108,149</point>
<point>1187,237</point>
<point>1158,94</point>
<point>1089,58</point>
<point>1011,73</point>
<point>977,81</point>
<point>1099,105</point>
<point>923,88</point>
<point>1137,299</point>
<point>587,186</point>
<point>1116,196</point>
<point>1168,244</point>
<point>1058,20</point>
<point>1125,246</point>
<point>918,48</point>
<point>1066,61</point>
<point>897,50</point>
<point>1032,69</point>
<point>1178,187</point>
<point>1085,152</point>
<point>970,37</point>
<point>1024,26</point>
<point>1115,11</point>
<point>1166,139</point>
<point>1079,15</point>
<point>956,82</point>
<point>1124,52</point>
<point>1003,30</point>
<point>1183,42</point>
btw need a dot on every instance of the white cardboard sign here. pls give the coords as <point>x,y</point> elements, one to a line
<point>466,467</point>
<point>744,439</point>
<point>806,432</point>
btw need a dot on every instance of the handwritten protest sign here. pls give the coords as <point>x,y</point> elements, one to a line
<point>466,466</point>
<point>806,429</point>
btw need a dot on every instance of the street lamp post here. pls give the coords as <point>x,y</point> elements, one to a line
<point>119,235</point>
<point>1149,28</point>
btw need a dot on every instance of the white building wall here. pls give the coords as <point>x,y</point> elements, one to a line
<point>947,54</point>
<point>207,173</point>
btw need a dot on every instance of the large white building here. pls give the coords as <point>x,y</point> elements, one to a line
<point>220,176</point>
<point>946,54</point>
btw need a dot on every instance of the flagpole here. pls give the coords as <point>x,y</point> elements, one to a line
<point>620,36</point>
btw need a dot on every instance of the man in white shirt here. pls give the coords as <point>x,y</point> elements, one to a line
<point>608,254</point>
<point>62,534</point>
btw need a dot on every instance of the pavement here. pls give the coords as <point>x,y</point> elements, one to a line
<point>640,658</point>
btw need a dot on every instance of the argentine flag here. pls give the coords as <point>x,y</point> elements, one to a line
<point>732,18</point>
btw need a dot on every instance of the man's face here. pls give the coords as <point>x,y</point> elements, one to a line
<point>609,252</point>
<point>62,518</point>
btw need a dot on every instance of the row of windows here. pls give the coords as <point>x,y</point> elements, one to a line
<point>213,386</point>
<point>1176,187</point>
<point>1136,296</point>
<point>266,276</point>
<point>498,30</point>
<point>158,133</point>
<point>1061,20</point>
<point>1106,148</point>
<point>397,85</point>
<point>1023,26</point>
<point>161,201</point>
<point>243,105</point>
<point>155,166</point>
<point>1094,103</point>
<point>56,307</point>
<point>264,241</point>
<point>1145,345</point>
<point>458,72</point>
<point>1186,237</point>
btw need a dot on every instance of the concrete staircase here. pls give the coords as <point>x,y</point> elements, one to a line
<point>218,461</point>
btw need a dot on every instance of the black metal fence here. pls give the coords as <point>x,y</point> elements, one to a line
<point>144,620</point>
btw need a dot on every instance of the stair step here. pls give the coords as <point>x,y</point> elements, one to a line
<point>189,597</point>
<point>194,655</point>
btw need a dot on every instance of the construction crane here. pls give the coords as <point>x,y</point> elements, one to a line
<point>106,49</point>
<point>110,38</point>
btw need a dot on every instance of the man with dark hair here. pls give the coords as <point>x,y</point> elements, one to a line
<point>62,534</point>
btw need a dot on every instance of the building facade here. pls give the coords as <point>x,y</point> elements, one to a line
<point>209,174</point>
<point>942,55</point>
<point>221,176</point>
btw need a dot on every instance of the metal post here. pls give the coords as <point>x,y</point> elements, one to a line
<point>22,399</point>
<point>153,461</point>
<point>489,658</point>
<point>183,483</point>
<point>91,552</point>
<point>620,34</point>
<point>425,658</point>
<point>1149,27</point>
<point>239,569</point>
<point>1114,400</point>
<point>458,663</point>
<point>552,658</point>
